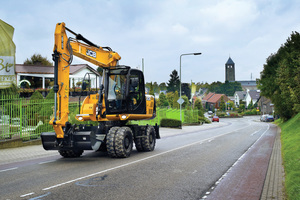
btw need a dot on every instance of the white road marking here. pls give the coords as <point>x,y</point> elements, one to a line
<point>140,160</point>
<point>47,162</point>
<point>4,170</point>
<point>240,158</point>
<point>137,161</point>
<point>25,195</point>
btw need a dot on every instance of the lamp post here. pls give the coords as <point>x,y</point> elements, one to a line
<point>185,54</point>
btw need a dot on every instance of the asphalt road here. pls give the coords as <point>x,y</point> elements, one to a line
<point>186,164</point>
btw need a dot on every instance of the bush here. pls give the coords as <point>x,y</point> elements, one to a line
<point>50,95</point>
<point>252,112</point>
<point>204,119</point>
<point>222,115</point>
<point>36,96</point>
<point>174,123</point>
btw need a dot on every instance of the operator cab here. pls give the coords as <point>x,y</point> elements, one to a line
<point>125,91</point>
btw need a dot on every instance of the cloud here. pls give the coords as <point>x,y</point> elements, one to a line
<point>160,31</point>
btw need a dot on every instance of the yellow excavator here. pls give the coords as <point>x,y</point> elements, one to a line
<point>120,98</point>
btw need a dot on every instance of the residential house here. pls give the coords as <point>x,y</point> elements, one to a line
<point>239,96</point>
<point>252,95</point>
<point>213,100</point>
<point>265,105</point>
<point>41,76</point>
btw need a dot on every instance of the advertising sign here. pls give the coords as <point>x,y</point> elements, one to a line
<point>7,55</point>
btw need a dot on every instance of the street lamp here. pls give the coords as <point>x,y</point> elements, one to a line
<point>185,54</point>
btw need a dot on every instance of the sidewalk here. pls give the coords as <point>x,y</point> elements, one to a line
<point>273,186</point>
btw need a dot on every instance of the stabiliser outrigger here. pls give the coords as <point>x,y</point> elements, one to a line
<point>121,98</point>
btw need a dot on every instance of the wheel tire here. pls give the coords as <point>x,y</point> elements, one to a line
<point>138,144</point>
<point>123,142</point>
<point>110,141</point>
<point>149,140</point>
<point>70,153</point>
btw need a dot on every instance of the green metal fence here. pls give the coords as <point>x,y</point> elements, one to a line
<point>20,117</point>
<point>188,116</point>
<point>27,119</point>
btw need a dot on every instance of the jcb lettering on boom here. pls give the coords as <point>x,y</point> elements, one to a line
<point>91,53</point>
<point>120,98</point>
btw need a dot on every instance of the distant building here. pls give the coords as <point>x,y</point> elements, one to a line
<point>239,96</point>
<point>252,95</point>
<point>248,85</point>
<point>230,76</point>
<point>41,76</point>
<point>229,70</point>
<point>266,106</point>
<point>213,100</point>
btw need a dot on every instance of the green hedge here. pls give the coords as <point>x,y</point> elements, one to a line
<point>173,123</point>
<point>204,119</point>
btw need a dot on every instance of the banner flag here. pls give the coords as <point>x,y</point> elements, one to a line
<point>7,55</point>
<point>193,88</point>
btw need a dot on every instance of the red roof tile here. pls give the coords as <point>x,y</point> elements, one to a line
<point>207,97</point>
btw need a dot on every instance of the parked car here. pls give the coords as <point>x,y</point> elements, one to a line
<point>215,119</point>
<point>270,118</point>
<point>263,118</point>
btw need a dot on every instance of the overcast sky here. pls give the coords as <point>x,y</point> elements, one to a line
<point>160,31</point>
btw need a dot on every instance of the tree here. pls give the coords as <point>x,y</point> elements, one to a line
<point>186,90</point>
<point>155,88</point>
<point>170,97</point>
<point>37,59</point>
<point>280,78</point>
<point>222,104</point>
<point>174,82</point>
<point>227,88</point>
<point>230,104</point>
<point>162,86</point>
<point>250,106</point>
<point>186,102</point>
<point>175,99</point>
<point>151,90</point>
<point>199,107</point>
<point>162,101</point>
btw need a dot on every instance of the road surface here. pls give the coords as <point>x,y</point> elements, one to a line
<point>187,163</point>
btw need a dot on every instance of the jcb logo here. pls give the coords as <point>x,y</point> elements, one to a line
<point>91,53</point>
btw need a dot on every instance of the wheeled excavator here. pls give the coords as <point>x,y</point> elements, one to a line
<point>120,98</point>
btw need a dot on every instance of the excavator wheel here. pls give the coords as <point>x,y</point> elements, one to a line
<point>110,141</point>
<point>123,142</point>
<point>138,144</point>
<point>148,142</point>
<point>70,153</point>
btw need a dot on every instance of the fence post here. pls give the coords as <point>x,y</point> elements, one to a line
<point>21,114</point>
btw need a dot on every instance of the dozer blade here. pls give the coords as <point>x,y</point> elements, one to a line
<point>79,140</point>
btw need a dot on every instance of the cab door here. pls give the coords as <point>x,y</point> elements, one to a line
<point>136,100</point>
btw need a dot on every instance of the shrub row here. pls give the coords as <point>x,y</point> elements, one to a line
<point>173,123</point>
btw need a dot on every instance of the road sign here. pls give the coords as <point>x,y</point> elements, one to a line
<point>180,101</point>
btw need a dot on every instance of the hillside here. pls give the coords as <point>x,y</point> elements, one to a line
<point>290,140</point>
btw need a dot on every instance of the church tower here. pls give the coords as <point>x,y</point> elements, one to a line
<point>229,70</point>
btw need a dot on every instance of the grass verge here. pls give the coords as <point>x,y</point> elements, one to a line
<point>290,140</point>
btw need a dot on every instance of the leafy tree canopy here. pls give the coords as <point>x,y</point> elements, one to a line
<point>227,88</point>
<point>37,59</point>
<point>280,78</point>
